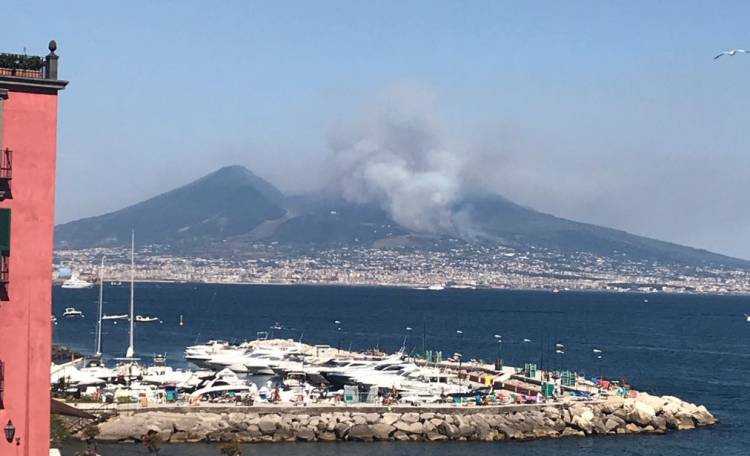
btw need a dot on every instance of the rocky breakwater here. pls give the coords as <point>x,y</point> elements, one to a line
<point>645,414</point>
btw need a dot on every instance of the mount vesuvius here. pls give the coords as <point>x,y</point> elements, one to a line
<point>232,203</point>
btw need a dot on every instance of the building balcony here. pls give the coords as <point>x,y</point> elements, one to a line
<point>21,73</point>
<point>22,66</point>
<point>4,269</point>
<point>25,67</point>
<point>6,173</point>
<point>6,164</point>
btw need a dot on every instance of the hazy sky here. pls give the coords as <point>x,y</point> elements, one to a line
<point>607,112</point>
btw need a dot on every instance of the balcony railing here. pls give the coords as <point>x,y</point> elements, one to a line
<point>20,73</point>
<point>4,269</point>
<point>6,164</point>
<point>29,66</point>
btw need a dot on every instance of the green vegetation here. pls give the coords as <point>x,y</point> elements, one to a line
<point>21,62</point>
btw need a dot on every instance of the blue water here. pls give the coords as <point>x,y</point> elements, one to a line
<point>694,347</point>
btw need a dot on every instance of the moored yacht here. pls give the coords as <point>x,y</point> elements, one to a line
<point>75,282</point>
<point>72,312</point>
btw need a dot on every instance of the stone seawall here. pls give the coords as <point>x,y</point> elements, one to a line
<point>644,414</point>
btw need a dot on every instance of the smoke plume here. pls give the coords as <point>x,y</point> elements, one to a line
<point>400,159</point>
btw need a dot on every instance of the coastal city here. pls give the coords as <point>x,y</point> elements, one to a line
<point>465,265</point>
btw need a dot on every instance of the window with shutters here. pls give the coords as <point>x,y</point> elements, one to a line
<point>6,173</point>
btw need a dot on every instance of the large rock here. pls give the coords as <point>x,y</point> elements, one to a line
<point>612,423</point>
<point>327,437</point>
<point>570,432</point>
<point>267,426</point>
<point>361,433</point>
<point>552,413</point>
<point>581,418</point>
<point>655,402</point>
<point>448,430</point>
<point>410,417</point>
<point>415,428</point>
<point>341,429</point>
<point>401,426</point>
<point>703,417</point>
<point>117,429</point>
<point>382,431</point>
<point>435,437</point>
<point>305,434</point>
<point>401,436</point>
<point>640,413</point>
<point>390,418</point>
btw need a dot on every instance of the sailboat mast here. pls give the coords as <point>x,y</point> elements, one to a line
<point>131,352</point>
<point>101,299</point>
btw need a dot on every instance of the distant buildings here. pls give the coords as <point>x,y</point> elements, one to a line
<point>464,266</point>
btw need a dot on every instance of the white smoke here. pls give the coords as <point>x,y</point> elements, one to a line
<point>400,159</point>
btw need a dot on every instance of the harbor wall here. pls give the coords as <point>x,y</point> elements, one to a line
<point>645,414</point>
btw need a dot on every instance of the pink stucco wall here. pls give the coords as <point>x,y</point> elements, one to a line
<point>30,130</point>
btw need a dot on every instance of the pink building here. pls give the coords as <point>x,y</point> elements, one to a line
<point>28,141</point>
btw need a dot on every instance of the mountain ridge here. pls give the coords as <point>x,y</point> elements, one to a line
<point>234,203</point>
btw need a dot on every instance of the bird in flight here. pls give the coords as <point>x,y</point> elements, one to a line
<point>731,53</point>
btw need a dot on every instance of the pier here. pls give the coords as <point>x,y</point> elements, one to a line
<point>326,394</point>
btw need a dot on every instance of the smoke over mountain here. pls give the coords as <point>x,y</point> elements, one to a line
<point>401,159</point>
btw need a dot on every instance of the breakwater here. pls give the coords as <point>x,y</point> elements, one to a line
<point>613,415</point>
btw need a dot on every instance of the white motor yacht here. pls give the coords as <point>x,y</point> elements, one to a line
<point>75,282</point>
<point>165,375</point>
<point>115,317</point>
<point>72,312</point>
<point>145,319</point>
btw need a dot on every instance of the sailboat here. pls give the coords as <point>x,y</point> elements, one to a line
<point>130,352</point>
<point>99,321</point>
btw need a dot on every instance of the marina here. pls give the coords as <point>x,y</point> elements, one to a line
<point>309,330</point>
<point>277,377</point>
<point>316,392</point>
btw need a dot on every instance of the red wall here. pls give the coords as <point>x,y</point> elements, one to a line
<point>30,130</point>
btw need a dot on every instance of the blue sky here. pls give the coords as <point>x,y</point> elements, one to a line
<point>607,112</point>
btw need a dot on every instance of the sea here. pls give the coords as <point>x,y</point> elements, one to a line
<point>696,347</point>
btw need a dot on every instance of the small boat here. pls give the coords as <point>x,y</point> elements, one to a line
<point>74,282</point>
<point>115,317</point>
<point>747,318</point>
<point>72,312</point>
<point>54,320</point>
<point>436,287</point>
<point>182,323</point>
<point>145,319</point>
<point>277,326</point>
<point>115,283</point>
<point>160,359</point>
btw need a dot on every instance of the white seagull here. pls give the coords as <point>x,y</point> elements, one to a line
<point>731,53</point>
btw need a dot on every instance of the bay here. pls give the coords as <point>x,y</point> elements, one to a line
<point>696,347</point>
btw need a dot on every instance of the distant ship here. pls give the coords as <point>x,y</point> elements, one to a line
<point>115,317</point>
<point>75,282</point>
<point>145,319</point>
